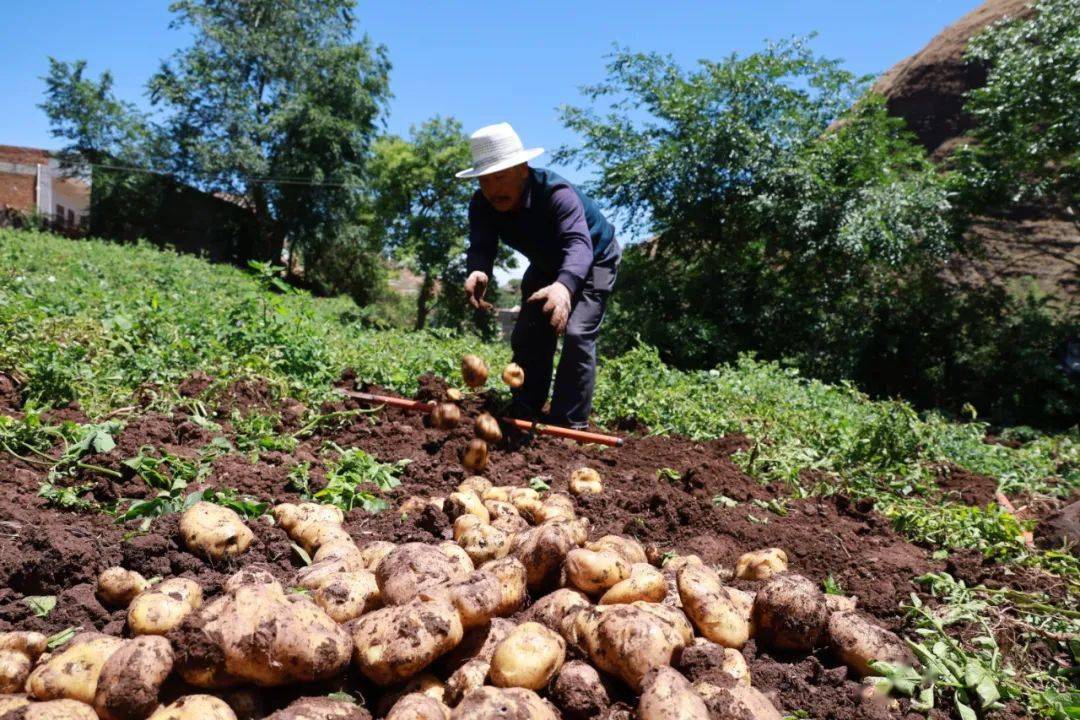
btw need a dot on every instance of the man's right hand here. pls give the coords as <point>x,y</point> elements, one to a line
<point>475,287</point>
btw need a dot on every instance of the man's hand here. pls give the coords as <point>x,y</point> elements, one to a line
<point>556,297</point>
<point>475,287</point>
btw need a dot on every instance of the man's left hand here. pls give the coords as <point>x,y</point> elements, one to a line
<point>556,297</point>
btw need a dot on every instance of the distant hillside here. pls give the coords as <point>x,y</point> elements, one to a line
<point>927,90</point>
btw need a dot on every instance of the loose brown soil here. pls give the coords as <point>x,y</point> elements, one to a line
<point>660,490</point>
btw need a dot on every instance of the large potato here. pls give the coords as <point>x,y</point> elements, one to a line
<point>543,549</point>
<point>465,679</point>
<point>578,692</point>
<point>18,653</point>
<point>348,595</point>
<point>214,531</point>
<point>131,678</point>
<point>790,613</point>
<point>462,503</point>
<point>458,556</point>
<point>529,657</point>
<point>674,618</point>
<point>250,575</point>
<point>667,695</point>
<point>483,542</point>
<point>475,484</point>
<point>511,574</point>
<point>857,642</point>
<point>719,613</point>
<point>593,572</point>
<point>489,703</point>
<point>321,708</point>
<point>397,642</point>
<point>506,517</point>
<point>72,673</point>
<point>58,710</point>
<point>626,641</point>
<point>645,583</point>
<point>418,706</point>
<point>703,659</point>
<point>627,548</point>
<point>741,701</point>
<point>117,587</point>
<point>164,606</point>
<point>195,707</point>
<point>553,607</point>
<point>477,598</point>
<point>585,481</point>
<point>316,575</point>
<point>554,507</point>
<point>412,567</point>
<point>374,552</point>
<point>290,516</point>
<point>670,569</point>
<point>761,564</point>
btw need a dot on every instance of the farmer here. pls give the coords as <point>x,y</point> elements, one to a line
<point>573,257</point>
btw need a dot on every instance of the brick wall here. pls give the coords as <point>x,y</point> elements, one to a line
<point>24,155</point>
<point>17,191</point>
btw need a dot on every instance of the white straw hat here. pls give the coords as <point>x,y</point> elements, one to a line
<point>494,148</point>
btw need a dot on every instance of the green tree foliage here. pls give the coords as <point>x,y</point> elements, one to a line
<point>1027,126</point>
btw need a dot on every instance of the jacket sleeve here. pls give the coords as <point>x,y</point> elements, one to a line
<point>483,239</point>
<point>573,234</point>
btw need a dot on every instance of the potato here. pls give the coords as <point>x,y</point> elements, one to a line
<point>483,542</point>
<point>214,531</point>
<point>474,370</point>
<point>478,644</point>
<point>505,517</point>
<point>318,574</point>
<point>315,535</point>
<point>418,706</point>
<point>489,703</point>
<point>454,394</point>
<point>719,613</point>
<point>627,548</point>
<point>840,603</point>
<point>290,516</point>
<point>164,606</point>
<point>645,583</point>
<point>857,641</point>
<point>413,505</point>
<point>195,707</point>
<point>250,575</point>
<point>667,695</point>
<point>585,481</point>
<point>18,653</point>
<point>741,701</point>
<point>553,607</point>
<point>529,657</point>
<point>73,673</point>
<point>594,572</point>
<point>397,642</point>
<point>500,493</point>
<point>761,564</point>
<point>624,640</point>
<point>461,503</point>
<point>704,658</point>
<point>446,416</point>
<point>487,428</point>
<point>465,679</point>
<point>373,553</point>
<point>336,551</point>
<point>129,682</point>
<point>527,502</point>
<point>348,595</point>
<point>413,567</point>
<point>474,457</point>
<point>476,484</point>
<point>790,613</point>
<point>554,507</point>
<point>59,710</point>
<point>259,635</point>
<point>476,598</point>
<point>578,692</point>
<point>513,376</point>
<point>670,570</point>
<point>321,708</point>
<point>458,556</point>
<point>424,683</point>
<point>511,574</point>
<point>117,587</point>
<point>674,618</point>
<point>12,702</point>
<point>543,549</point>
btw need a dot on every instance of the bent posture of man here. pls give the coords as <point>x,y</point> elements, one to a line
<point>573,258</point>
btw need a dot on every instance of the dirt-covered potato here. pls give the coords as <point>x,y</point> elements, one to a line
<point>18,652</point>
<point>840,603</point>
<point>164,606</point>
<point>543,549</point>
<point>73,672</point>
<point>348,595</point>
<point>491,703</point>
<point>513,375</point>
<point>418,706</point>
<point>474,456</point>
<point>214,531</point>
<point>425,683</point>
<point>195,707</point>
<point>412,567</point>
<point>645,583</point>
<point>461,503</point>
<point>594,572</point>
<point>316,575</point>
<point>741,701</point>
<point>321,708</point>
<point>526,500</point>
<point>465,679</point>
<point>704,659</point>
<point>474,370</point>
<point>505,517</point>
<point>554,507</point>
<point>790,613</point>
<point>290,516</point>
<point>720,614</point>
<point>496,492</point>
<point>58,710</point>
<point>578,692</point>
<point>397,642</point>
<point>335,551</point>
<point>373,553</point>
<point>551,609</point>
<point>857,641</point>
<point>250,575</point>
<point>487,428</point>
<point>458,556</point>
<point>476,598</point>
<point>627,548</point>
<point>586,481</point>
<point>259,635</point>
<point>674,618</point>
<point>761,564</point>
<point>129,682</point>
<point>446,416</point>
<point>477,484</point>
<point>117,587</point>
<point>478,644</point>
<point>529,657</point>
<point>667,695</point>
<point>483,542</point>
<point>623,640</point>
<point>12,702</point>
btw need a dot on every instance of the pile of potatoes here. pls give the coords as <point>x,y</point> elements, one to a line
<point>521,615</point>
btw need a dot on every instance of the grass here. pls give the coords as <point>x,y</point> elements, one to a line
<point>96,323</point>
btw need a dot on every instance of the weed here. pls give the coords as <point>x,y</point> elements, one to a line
<point>354,469</point>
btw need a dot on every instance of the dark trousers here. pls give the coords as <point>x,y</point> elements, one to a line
<point>533,343</point>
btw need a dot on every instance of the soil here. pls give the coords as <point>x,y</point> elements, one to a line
<point>958,484</point>
<point>660,490</point>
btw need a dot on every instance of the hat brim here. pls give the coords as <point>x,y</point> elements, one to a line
<point>517,158</point>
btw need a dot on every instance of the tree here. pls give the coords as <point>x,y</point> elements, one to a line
<point>275,89</point>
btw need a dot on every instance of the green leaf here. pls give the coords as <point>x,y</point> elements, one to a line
<point>56,640</point>
<point>966,713</point>
<point>41,605</point>
<point>540,484</point>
